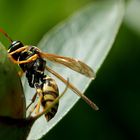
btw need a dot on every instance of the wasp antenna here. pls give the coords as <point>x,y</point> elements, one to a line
<point>6,35</point>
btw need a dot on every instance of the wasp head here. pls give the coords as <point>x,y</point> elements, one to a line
<point>14,46</point>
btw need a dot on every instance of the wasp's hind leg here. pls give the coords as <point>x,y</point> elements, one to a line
<point>47,109</point>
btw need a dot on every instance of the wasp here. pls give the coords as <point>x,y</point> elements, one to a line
<point>32,62</point>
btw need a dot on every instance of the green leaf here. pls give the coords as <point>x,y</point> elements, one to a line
<point>12,101</point>
<point>88,36</point>
<point>132,16</point>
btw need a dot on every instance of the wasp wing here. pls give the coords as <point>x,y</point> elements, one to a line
<point>71,63</point>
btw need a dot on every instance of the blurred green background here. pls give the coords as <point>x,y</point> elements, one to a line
<point>116,89</point>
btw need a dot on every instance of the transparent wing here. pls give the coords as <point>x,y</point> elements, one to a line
<point>71,63</point>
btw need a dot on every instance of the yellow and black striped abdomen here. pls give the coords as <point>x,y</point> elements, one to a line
<point>50,93</point>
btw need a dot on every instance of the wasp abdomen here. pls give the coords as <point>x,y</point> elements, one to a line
<point>50,93</point>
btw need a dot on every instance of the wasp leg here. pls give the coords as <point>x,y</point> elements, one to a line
<point>47,109</point>
<point>31,111</point>
<point>19,50</point>
<point>37,106</point>
<point>39,103</point>
<point>74,89</point>
<point>32,101</point>
<point>31,59</point>
<point>39,92</point>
